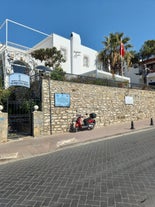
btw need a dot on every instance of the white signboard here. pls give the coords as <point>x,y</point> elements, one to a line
<point>128,100</point>
<point>19,79</point>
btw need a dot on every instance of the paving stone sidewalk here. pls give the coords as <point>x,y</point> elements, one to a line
<point>28,146</point>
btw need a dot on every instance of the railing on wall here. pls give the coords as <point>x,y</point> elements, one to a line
<point>106,82</point>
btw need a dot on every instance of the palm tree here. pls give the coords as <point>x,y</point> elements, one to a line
<point>111,52</point>
<point>147,49</point>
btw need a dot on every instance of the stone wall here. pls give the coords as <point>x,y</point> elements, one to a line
<point>37,123</point>
<point>3,127</point>
<point>107,102</point>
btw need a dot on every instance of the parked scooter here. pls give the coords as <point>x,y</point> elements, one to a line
<point>80,123</point>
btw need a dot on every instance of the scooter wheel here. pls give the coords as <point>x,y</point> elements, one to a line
<point>76,129</point>
<point>72,129</point>
<point>92,127</point>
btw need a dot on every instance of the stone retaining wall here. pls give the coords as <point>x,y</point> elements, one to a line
<point>37,123</point>
<point>3,127</point>
<point>107,102</point>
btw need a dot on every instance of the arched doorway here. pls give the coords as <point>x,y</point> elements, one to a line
<point>21,101</point>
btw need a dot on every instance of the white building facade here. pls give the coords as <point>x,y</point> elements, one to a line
<point>79,59</point>
<point>15,61</point>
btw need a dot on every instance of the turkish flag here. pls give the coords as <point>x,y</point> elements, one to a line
<point>122,50</point>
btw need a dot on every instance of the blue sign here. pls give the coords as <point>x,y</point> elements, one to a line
<point>62,99</point>
<point>19,79</point>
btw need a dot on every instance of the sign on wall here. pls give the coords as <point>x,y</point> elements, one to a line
<point>128,100</point>
<point>19,79</point>
<point>62,99</point>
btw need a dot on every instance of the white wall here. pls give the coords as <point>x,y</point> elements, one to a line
<point>107,75</point>
<point>92,57</point>
<point>131,72</point>
<point>75,53</point>
<point>151,78</point>
<point>63,44</point>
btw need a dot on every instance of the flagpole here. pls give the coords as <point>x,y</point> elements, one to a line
<point>122,52</point>
<point>121,66</point>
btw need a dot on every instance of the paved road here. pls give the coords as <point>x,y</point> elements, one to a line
<point>118,172</point>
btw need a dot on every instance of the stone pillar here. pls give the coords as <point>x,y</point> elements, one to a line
<point>37,123</point>
<point>3,127</point>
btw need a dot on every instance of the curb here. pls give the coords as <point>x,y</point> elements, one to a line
<point>8,156</point>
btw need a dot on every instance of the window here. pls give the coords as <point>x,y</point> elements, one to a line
<point>85,61</point>
<point>20,67</point>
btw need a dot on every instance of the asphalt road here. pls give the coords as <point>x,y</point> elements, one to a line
<point>118,172</point>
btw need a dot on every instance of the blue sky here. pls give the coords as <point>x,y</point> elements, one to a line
<point>92,19</point>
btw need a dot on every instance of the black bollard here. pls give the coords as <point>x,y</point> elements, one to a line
<point>151,122</point>
<point>132,125</point>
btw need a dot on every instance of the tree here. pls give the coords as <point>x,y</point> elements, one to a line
<point>53,58</point>
<point>58,74</point>
<point>111,52</point>
<point>4,93</point>
<point>147,49</point>
<point>135,58</point>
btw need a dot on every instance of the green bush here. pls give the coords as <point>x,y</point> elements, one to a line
<point>58,74</point>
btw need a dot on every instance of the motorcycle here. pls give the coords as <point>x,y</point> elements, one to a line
<point>80,123</point>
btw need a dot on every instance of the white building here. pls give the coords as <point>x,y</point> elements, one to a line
<point>80,60</point>
<point>15,61</point>
<point>133,74</point>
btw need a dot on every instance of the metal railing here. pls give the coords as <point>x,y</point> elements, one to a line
<point>107,82</point>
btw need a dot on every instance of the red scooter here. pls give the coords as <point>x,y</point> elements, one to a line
<point>80,123</point>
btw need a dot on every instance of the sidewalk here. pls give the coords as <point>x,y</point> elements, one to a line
<point>28,147</point>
